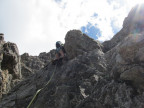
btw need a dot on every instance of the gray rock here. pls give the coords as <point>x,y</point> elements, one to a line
<point>133,23</point>
<point>91,78</point>
<point>125,57</point>
<point>65,88</point>
<point>135,75</point>
<point>10,66</point>
<point>32,64</point>
<point>11,60</point>
<point>1,47</point>
<point>77,43</point>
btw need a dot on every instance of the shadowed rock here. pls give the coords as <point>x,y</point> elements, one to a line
<point>10,66</point>
<point>91,78</point>
<point>32,64</point>
<point>77,43</point>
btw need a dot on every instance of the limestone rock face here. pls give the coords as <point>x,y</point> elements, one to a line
<point>83,82</point>
<point>133,23</point>
<point>11,60</point>
<point>127,60</point>
<point>72,82</point>
<point>32,64</point>
<point>125,50</point>
<point>77,43</point>
<point>91,78</point>
<point>10,66</point>
<point>47,57</point>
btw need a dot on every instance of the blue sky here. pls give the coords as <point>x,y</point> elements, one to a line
<point>35,25</point>
<point>91,31</point>
<point>94,32</point>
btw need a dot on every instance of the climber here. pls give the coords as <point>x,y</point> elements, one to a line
<point>60,53</point>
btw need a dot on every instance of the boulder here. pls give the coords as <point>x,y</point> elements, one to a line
<point>77,43</point>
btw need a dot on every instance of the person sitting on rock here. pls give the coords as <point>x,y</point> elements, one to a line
<point>60,53</point>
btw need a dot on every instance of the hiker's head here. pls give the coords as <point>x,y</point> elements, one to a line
<point>58,44</point>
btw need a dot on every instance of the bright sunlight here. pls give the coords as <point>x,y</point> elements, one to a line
<point>134,2</point>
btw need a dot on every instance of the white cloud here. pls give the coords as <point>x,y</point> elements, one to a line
<point>35,25</point>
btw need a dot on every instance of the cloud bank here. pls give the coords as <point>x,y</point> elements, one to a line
<point>35,25</point>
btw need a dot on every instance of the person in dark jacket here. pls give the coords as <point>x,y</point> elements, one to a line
<point>60,53</point>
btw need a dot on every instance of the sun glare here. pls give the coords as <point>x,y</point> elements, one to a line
<point>135,2</point>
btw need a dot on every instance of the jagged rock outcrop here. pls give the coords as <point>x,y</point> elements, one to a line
<point>127,60</point>
<point>133,23</point>
<point>11,60</point>
<point>91,78</point>
<point>77,43</point>
<point>32,64</point>
<point>10,67</point>
<point>67,86</point>
<point>47,57</point>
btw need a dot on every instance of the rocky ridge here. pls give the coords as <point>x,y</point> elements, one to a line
<point>10,68</point>
<point>132,24</point>
<point>108,75</point>
<point>32,64</point>
<point>15,68</point>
